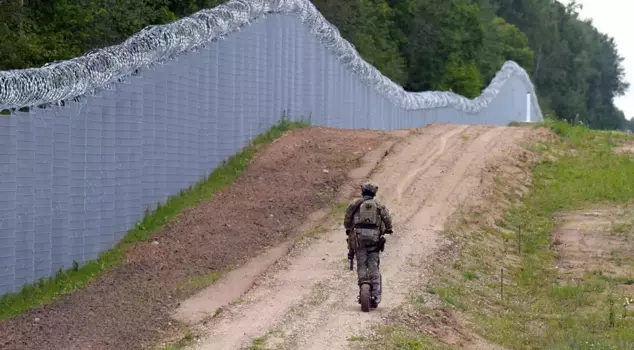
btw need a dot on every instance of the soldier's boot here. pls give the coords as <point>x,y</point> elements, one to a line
<point>376,299</point>
<point>374,302</point>
<point>359,295</point>
<point>376,294</point>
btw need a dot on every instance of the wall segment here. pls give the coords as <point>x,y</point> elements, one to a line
<point>120,129</point>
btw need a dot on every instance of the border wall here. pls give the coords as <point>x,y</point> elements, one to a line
<point>115,131</point>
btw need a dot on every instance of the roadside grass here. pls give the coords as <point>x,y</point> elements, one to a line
<point>268,341</point>
<point>64,282</point>
<point>336,213</point>
<point>258,344</point>
<point>339,211</point>
<point>400,332</point>
<point>188,339</point>
<point>199,282</point>
<point>505,280</point>
<point>402,338</point>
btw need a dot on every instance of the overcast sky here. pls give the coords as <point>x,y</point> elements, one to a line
<point>613,17</point>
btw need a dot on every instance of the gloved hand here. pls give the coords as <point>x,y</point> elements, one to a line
<point>347,232</point>
<point>388,232</point>
<point>381,244</point>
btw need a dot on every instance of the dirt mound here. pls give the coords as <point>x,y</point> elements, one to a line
<point>129,306</point>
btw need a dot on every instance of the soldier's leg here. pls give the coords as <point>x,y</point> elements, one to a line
<point>375,274</point>
<point>362,265</point>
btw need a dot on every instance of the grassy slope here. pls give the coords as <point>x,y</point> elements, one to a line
<point>47,290</point>
<point>540,307</point>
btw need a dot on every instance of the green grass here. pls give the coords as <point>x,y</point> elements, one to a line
<point>184,342</point>
<point>257,344</point>
<point>541,308</point>
<point>399,337</point>
<point>49,289</point>
<point>339,211</point>
<point>356,338</point>
<point>199,282</point>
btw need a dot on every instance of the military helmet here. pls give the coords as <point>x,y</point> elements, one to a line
<point>369,189</point>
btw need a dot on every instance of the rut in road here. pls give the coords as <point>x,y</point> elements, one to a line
<point>308,299</point>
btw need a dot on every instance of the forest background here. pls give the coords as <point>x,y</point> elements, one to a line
<point>419,44</point>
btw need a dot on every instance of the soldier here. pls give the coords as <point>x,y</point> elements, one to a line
<point>366,221</point>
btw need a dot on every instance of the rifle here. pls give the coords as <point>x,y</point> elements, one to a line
<point>356,207</point>
<point>350,250</point>
<point>351,258</point>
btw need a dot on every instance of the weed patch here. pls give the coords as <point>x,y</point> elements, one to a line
<point>199,282</point>
<point>182,343</point>
<point>396,337</point>
<point>257,344</point>
<point>339,211</point>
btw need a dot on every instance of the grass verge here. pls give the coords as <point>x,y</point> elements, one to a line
<point>505,280</point>
<point>64,282</point>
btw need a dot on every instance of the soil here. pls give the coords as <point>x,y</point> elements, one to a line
<point>595,240</point>
<point>627,148</point>
<point>130,306</point>
<point>307,300</point>
<point>212,300</point>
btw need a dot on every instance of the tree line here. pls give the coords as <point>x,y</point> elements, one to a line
<point>420,44</point>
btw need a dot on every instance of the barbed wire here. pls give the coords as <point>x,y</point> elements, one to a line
<point>97,69</point>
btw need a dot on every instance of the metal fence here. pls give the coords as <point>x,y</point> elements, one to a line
<point>113,132</point>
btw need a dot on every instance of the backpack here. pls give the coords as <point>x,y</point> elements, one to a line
<point>368,217</point>
<point>369,213</point>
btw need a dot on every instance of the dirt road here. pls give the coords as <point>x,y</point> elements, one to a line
<point>129,307</point>
<point>307,300</point>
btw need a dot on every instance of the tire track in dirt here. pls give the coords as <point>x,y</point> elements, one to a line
<point>307,300</point>
<point>427,161</point>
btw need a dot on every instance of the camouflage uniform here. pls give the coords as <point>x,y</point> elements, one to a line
<point>368,259</point>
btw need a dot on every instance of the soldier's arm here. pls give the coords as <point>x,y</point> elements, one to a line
<point>386,217</point>
<point>348,217</point>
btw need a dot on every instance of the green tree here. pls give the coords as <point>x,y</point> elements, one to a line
<point>367,25</point>
<point>502,42</point>
<point>461,77</point>
<point>420,44</point>
<point>443,45</point>
<point>578,70</point>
